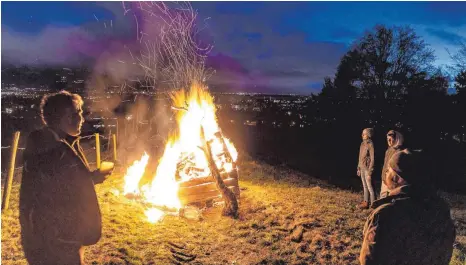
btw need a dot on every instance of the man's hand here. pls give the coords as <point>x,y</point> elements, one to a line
<point>105,170</point>
<point>99,177</point>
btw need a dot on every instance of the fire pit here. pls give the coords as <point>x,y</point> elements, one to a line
<point>198,164</point>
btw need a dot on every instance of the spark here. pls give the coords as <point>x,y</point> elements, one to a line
<point>172,56</point>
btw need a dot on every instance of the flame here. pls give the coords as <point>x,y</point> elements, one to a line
<point>163,190</point>
<point>183,158</point>
<point>134,174</point>
<point>154,215</point>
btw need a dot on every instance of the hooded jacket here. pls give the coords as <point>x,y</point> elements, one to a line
<point>397,146</point>
<point>366,154</point>
<point>58,202</point>
<point>411,227</point>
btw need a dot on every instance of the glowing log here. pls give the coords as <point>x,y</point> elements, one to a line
<point>198,181</point>
<point>231,202</point>
<point>205,187</point>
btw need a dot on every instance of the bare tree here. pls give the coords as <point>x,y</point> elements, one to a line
<point>458,69</point>
<point>459,59</point>
<point>380,63</point>
<point>460,83</point>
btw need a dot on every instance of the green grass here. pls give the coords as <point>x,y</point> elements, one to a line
<point>274,202</point>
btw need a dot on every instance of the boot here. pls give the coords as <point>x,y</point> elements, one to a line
<point>363,205</point>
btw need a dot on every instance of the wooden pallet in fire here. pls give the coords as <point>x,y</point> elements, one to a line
<point>205,189</point>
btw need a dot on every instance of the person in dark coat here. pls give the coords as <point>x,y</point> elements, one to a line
<point>395,142</point>
<point>366,167</point>
<point>59,210</point>
<point>412,225</point>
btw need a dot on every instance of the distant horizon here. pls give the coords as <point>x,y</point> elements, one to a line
<point>212,91</point>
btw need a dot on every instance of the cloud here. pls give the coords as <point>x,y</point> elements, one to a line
<point>50,46</point>
<point>257,40</point>
<point>68,44</point>
<point>448,37</point>
<point>443,39</point>
<point>289,44</point>
<point>446,12</point>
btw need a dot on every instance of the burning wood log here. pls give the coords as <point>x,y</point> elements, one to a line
<point>231,204</point>
<point>202,180</point>
<point>234,172</point>
<point>205,187</point>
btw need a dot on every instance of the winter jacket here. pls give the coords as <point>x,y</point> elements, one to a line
<point>392,150</point>
<point>366,156</point>
<point>408,227</point>
<point>58,202</point>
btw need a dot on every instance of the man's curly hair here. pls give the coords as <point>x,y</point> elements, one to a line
<point>54,105</point>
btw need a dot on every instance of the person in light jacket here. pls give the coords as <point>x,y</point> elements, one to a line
<point>366,167</point>
<point>395,142</point>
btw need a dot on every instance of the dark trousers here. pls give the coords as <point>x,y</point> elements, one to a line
<point>39,252</point>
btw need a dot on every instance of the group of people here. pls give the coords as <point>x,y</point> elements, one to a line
<point>366,163</point>
<point>59,210</point>
<point>409,223</point>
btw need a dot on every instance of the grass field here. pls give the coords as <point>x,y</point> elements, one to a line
<point>276,205</point>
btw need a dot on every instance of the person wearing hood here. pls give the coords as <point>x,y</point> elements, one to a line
<point>395,142</point>
<point>412,225</point>
<point>366,166</point>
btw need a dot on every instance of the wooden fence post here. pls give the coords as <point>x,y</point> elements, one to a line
<point>114,148</point>
<point>11,171</point>
<point>117,128</point>
<point>97,150</point>
<point>109,139</point>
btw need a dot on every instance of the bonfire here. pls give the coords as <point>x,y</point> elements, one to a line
<point>198,164</point>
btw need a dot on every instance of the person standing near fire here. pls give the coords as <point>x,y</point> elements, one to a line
<point>366,167</point>
<point>395,142</point>
<point>59,210</point>
<point>413,224</point>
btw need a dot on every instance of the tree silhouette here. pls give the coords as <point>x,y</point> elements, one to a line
<point>381,63</point>
<point>460,84</point>
<point>459,59</point>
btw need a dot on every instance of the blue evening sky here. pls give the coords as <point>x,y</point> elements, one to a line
<point>293,45</point>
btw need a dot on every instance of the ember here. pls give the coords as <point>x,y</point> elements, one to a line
<point>184,174</point>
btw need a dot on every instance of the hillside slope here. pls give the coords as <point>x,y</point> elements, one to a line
<point>275,204</point>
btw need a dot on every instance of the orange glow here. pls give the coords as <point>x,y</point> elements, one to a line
<point>183,158</point>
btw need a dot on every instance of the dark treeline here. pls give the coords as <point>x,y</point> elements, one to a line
<point>385,81</point>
